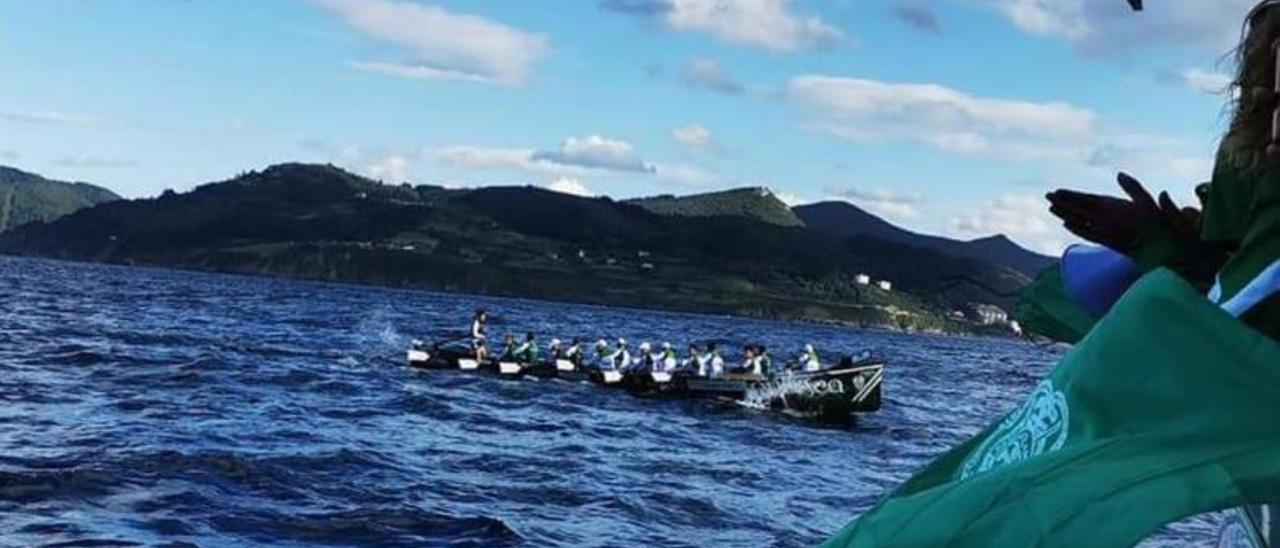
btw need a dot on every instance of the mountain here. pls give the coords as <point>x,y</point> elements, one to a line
<point>320,222</point>
<point>845,219</point>
<point>751,203</point>
<point>27,197</point>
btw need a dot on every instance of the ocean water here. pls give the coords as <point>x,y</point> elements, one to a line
<point>155,407</point>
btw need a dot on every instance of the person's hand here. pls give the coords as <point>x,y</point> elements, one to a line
<point>1118,223</point>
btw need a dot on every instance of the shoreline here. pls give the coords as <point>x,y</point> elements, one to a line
<point>976,332</point>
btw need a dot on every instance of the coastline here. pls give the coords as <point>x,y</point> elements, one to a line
<point>955,328</point>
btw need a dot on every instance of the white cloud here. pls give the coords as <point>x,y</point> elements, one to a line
<point>791,199</point>
<point>50,117</point>
<point>416,72</point>
<point>570,185</point>
<point>767,24</point>
<point>1070,139</point>
<point>88,161</point>
<point>482,158</point>
<point>596,152</point>
<point>871,111</point>
<point>685,175</point>
<point>591,156</point>
<point>393,168</point>
<point>1204,81</point>
<point>694,136</point>
<point>708,74</point>
<point>1109,27</point>
<point>443,44</point>
<point>886,203</point>
<point>1022,217</point>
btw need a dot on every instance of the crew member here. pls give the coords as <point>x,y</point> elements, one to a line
<point>478,334</point>
<point>809,359</point>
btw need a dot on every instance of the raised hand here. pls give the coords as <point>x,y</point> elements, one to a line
<point>1118,223</point>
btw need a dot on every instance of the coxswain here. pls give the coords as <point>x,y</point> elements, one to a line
<point>809,359</point>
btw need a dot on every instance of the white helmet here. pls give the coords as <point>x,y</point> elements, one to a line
<point>808,347</point>
<point>602,342</point>
<point>666,346</point>
<point>644,346</point>
<point>555,342</point>
<point>622,342</point>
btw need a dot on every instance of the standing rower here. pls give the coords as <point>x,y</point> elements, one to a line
<point>478,335</point>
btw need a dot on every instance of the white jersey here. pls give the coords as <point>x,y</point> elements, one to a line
<point>712,365</point>
<point>809,362</point>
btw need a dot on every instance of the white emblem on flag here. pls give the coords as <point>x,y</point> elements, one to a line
<point>1039,426</point>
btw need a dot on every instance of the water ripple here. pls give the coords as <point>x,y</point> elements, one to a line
<point>162,408</point>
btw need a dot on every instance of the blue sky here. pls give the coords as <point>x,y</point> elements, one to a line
<point>945,116</point>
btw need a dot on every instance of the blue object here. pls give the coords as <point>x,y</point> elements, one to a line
<point>1096,277</point>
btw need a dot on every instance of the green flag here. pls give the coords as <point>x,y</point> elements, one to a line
<point>1168,408</point>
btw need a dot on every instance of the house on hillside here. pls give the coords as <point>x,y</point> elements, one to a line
<point>862,279</point>
<point>885,285</point>
<point>988,314</point>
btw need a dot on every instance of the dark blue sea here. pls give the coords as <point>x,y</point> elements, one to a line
<point>156,407</point>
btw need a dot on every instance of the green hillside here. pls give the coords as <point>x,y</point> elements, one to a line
<point>26,197</point>
<point>759,204</point>
<point>320,222</point>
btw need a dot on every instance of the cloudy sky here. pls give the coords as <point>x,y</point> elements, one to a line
<point>945,116</point>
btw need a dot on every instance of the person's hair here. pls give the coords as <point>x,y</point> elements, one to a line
<point>1249,135</point>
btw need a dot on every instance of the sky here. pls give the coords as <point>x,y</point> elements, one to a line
<point>949,117</point>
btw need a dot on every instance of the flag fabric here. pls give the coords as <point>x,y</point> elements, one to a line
<point>1168,408</point>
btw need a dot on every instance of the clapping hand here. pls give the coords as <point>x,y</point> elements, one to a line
<point>1116,222</point>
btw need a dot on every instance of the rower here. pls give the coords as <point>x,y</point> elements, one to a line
<point>666,360</point>
<point>764,364</point>
<point>713,361</point>
<point>619,358</point>
<point>644,361</point>
<point>749,362</point>
<point>574,352</point>
<point>809,359</point>
<point>527,352</point>
<point>555,350</point>
<point>508,347</point>
<point>478,334</point>
<point>601,354</point>
<point>693,362</point>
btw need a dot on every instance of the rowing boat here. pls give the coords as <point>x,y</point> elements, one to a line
<point>848,388</point>
<point>853,386</point>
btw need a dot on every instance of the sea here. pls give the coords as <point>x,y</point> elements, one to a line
<point>153,407</point>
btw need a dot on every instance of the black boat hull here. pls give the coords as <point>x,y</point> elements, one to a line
<point>836,393</point>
